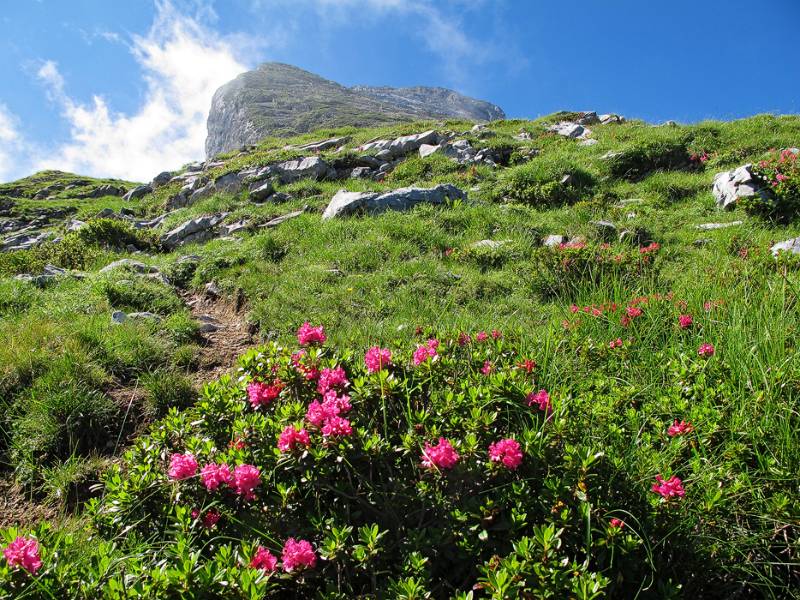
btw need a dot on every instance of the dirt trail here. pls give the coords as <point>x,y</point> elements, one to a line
<point>228,335</point>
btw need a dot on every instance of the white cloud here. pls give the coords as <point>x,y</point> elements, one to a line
<point>183,63</point>
<point>440,31</point>
<point>10,143</point>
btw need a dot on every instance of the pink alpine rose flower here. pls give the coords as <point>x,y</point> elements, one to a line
<point>262,394</point>
<point>669,488</point>
<point>263,559</point>
<point>214,476</point>
<point>308,334</point>
<point>685,321</point>
<point>441,456</point>
<point>209,519</point>
<point>291,439</point>
<point>679,428</point>
<point>182,466</point>
<point>336,427</point>
<point>23,552</point>
<point>487,367</point>
<point>481,336</point>
<point>507,452</point>
<point>332,379</point>
<point>246,478</point>
<point>426,351</point>
<point>298,554</point>
<point>616,523</point>
<point>541,399</point>
<point>377,358</point>
<point>706,350</point>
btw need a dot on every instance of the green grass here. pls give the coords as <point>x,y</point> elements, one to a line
<point>378,279</point>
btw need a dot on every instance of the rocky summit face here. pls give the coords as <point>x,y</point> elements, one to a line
<point>281,100</point>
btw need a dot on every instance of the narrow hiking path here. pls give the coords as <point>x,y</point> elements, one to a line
<point>225,333</point>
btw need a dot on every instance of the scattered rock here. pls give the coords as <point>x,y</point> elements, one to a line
<point>260,192</point>
<point>587,142</point>
<point>325,144</point>
<point>729,186</point>
<point>491,244</point>
<point>402,145</point>
<point>161,179</point>
<point>75,225</point>
<point>49,274</point>
<point>138,192</point>
<point>552,241</point>
<point>711,226</point>
<point>25,240</point>
<point>361,173</point>
<point>144,315</point>
<point>118,317</point>
<point>523,137</point>
<point>212,290</point>
<point>131,265</point>
<point>283,218</point>
<point>587,118</point>
<point>292,170</point>
<point>208,324</point>
<point>792,246</point>
<point>636,237</point>
<point>609,119</point>
<point>346,203</point>
<point>199,229</point>
<point>606,230</point>
<point>570,130</point>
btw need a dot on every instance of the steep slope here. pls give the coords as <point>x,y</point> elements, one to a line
<point>278,99</point>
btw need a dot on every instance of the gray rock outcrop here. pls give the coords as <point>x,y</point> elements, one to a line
<point>730,186</point>
<point>347,203</point>
<point>282,100</point>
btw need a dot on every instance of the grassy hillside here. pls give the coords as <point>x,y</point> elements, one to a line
<point>600,322</point>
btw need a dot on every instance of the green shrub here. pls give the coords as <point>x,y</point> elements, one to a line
<point>543,183</point>
<point>780,174</point>
<point>569,270</point>
<point>167,389</point>
<point>55,423</point>
<point>638,160</point>
<point>140,294</point>
<point>113,233</point>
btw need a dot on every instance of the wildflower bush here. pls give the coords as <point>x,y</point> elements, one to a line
<point>544,184</point>
<point>431,470</point>
<point>566,269</point>
<point>780,174</point>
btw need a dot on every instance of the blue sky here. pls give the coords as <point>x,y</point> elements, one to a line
<point>121,89</point>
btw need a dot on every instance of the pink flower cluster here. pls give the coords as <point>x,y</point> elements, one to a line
<point>685,321</point>
<point>213,476</point>
<point>327,415</point>
<point>23,552</point>
<point>617,343</point>
<point>298,554</point>
<point>487,367</point>
<point>616,523</point>
<point>706,350</point>
<point>262,394</point>
<point>426,351</point>
<point>679,428</point>
<point>507,452</point>
<point>377,358</point>
<point>246,478</point>
<point>307,334</point>
<point>668,488</point>
<point>440,456</point>
<point>292,439</point>
<point>310,372</point>
<point>182,466</point>
<point>541,399</point>
<point>263,559</point>
<point>332,379</point>
<point>209,519</point>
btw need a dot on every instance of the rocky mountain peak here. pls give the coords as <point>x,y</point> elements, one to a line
<point>282,100</point>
